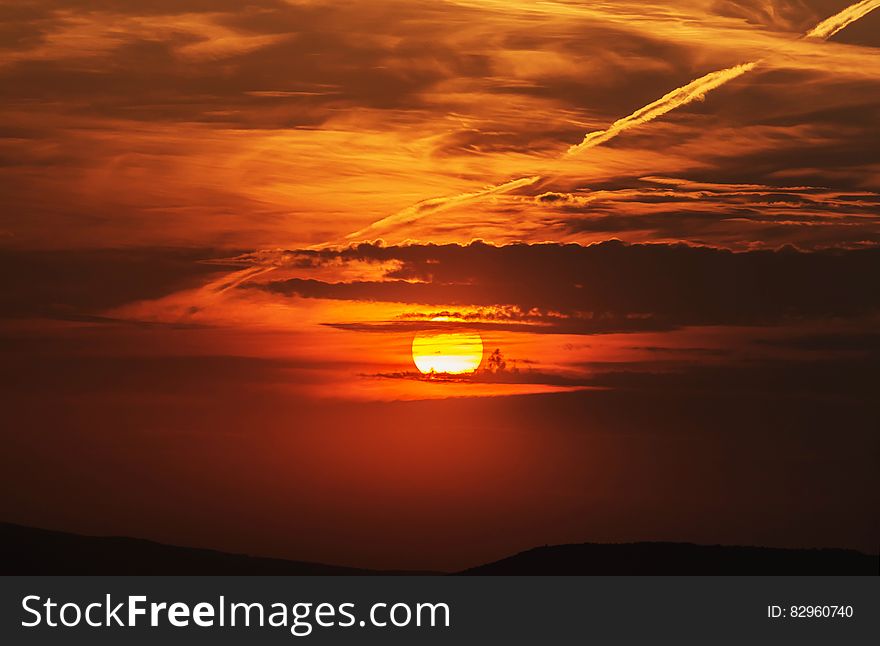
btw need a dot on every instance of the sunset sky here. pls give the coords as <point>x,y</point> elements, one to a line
<point>224,223</point>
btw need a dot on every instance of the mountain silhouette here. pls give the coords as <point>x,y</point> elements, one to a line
<point>680,559</point>
<point>33,551</point>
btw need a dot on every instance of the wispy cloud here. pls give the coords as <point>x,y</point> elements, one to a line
<point>696,90</point>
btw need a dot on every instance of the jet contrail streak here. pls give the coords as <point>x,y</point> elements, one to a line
<point>236,278</point>
<point>827,28</point>
<point>437,204</point>
<point>693,91</point>
<point>697,90</point>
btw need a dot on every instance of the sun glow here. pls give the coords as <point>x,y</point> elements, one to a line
<point>450,353</point>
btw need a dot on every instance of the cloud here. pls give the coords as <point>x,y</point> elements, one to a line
<point>75,283</point>
<point>827,28</point>
<point>117,116</point>
<point>486,377</point>
<point>849,342</point>
<point>696,90</point>
<point>723,214</point>
<point>782,15</point>
<point>844,378</point>
<point>555,324</point>
<point>611,285</point>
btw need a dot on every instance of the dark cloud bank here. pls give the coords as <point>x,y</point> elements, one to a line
<point>667,284</point>
<point>64,283</point>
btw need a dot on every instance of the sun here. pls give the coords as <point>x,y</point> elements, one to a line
<point>453,353</point>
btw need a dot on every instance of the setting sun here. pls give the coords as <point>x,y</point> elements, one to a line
<point>417,286</point>
<point>450,353</point>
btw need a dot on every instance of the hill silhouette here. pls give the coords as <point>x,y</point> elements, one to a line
<point>33,551</point>
<point>679,559</point>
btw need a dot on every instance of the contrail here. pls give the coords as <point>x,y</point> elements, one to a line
<point>697,90</point>
<point>236,278</point>
<point>437,204</point>
<point>827,28</point>
<point>693,91</point>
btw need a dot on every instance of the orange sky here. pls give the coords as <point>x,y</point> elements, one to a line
<point>223,223</point>
<point>294,123</point>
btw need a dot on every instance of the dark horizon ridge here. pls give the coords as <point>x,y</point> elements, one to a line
<point>36,551</point>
